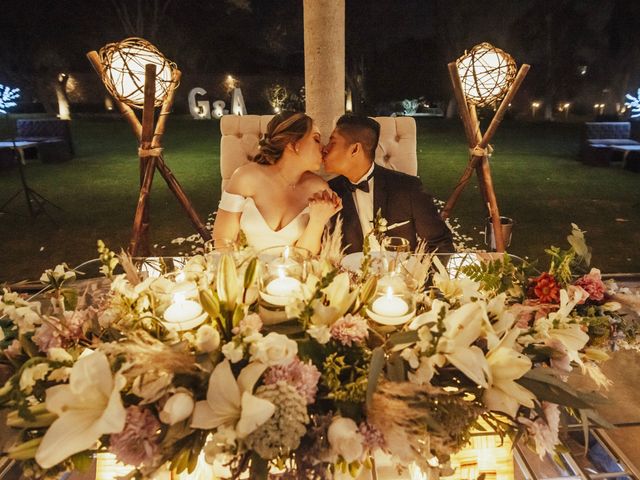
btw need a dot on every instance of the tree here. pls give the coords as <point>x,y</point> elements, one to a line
<point>141,18</point>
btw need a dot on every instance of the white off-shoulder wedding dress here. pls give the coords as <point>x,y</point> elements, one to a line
<point>256,229</point>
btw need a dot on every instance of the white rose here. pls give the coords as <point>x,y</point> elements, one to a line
<point>56,354</point>
<point>31,375</point>
<point>207,339</point>
<point>177,408</point>
<point>233,352</point>
<point>345,439</point>
<point>274,349</point>
<point>321,333</point>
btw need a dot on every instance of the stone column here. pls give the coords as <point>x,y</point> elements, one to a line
<point>324,61</point>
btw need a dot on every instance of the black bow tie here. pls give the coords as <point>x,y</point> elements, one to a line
<point>363,185</point>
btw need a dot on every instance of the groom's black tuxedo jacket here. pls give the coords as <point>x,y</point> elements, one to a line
<point>400,197</point>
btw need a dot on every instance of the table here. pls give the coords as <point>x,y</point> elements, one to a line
<point>20,146</point>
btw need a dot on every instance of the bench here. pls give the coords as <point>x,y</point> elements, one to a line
<point>599,140</point>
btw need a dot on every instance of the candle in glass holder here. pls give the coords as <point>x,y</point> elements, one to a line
<point>389,305</point>
<point>282,289</point>
<point>183,314</point>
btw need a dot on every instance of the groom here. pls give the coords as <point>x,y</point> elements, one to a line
<point>366,187</point>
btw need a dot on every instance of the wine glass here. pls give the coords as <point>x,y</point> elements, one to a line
<point>395,250</point>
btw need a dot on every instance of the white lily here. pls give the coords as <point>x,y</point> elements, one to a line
<point>339,300</point>
<point>503,319</point>
<point>568,332</point>
<point>506,365</point>
<point>230,402</point>
<point>88,407</point>
<point>464,326</point>
<point>459,289</point>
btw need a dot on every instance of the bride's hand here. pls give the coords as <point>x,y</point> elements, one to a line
<point>323,205</point>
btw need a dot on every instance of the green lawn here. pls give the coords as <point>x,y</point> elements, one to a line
<point>538,182</point>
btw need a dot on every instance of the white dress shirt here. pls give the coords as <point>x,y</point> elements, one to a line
<point>364,206</point>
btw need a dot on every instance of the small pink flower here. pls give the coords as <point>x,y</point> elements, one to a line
<point>592,283</point>
<point>137,444</point>
<point>301,376</point>
<point>529,311</point>
<point>14,349</point>
<point>372,437</point>
<point>544,429</point>
<point>350,329</point>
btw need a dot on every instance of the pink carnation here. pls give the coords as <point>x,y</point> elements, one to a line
<point>592,283</point>
<point>63,331</point>
<point>301,376</point>
<point>137,444</point>
<point>350,330</point>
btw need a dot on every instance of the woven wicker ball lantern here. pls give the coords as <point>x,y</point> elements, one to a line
<point>138,75</point>
<point>124,71</point>
<point>486,73</point>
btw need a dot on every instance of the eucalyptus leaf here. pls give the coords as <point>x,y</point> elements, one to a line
<point>396,370</point>
<point>549,392</point>
<point>289,328</point>
<point>375,368</point>
<point>402,338</point>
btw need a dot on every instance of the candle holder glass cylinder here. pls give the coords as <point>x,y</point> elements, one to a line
<point>395,251</point>
<point>394,302</point>
<point>283,271</point>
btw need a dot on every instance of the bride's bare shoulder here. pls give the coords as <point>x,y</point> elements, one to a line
<point>314,182</point>
<point>245,179</point>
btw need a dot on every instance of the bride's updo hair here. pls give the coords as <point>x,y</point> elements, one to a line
<point>283,129</point>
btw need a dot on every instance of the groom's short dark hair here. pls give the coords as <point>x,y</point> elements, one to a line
<point>360,129</point>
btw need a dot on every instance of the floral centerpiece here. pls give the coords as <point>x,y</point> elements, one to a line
<point>171,370</point>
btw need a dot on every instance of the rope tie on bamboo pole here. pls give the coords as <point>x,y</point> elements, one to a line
<point>478,151</point>
<point>149,152</point>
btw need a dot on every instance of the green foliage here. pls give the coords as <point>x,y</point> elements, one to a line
<point>498,275</point>
<point>346,375</point>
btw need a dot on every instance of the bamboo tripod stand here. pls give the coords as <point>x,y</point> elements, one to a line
<point>480,150</point>
<point>150,154</point>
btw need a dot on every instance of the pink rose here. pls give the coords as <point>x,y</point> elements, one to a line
<point>592,283</point>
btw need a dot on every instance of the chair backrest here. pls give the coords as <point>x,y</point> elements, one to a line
<point>239,142</point>
<point>593,130</point>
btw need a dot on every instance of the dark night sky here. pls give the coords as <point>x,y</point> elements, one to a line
<point>400,47</point>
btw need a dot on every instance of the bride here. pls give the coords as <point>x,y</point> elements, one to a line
<point>277,200</point>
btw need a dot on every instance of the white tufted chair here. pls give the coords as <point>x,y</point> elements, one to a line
<point>239,142</point>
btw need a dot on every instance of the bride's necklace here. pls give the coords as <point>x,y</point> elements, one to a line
<point>288,183</point>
